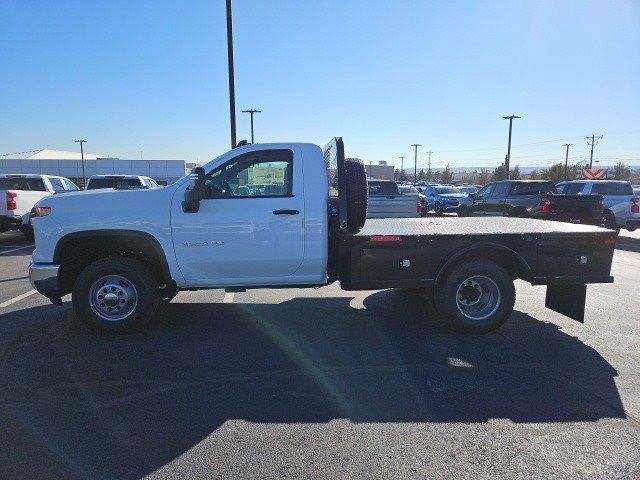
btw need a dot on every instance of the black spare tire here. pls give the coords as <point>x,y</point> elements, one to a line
<point>356,179</point>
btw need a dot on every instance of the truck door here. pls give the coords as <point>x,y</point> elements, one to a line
<point>250,226</point>
<point>496,201</point>
<point>479,205</point>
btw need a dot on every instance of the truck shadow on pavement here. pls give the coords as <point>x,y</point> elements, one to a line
<point>74,403</point>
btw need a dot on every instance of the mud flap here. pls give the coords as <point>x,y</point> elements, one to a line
<point>568,300</point>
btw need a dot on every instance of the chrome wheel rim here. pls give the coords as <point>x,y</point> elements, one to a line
<point>478,297</point>
<point>113,298</point>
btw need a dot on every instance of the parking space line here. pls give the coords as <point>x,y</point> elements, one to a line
<point>16,249</point>
<point>228,297</point>
<point>17,299</point>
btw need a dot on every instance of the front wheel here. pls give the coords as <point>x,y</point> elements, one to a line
<point>475,297</point>
<point>116,295</point>
<point>438,209</point>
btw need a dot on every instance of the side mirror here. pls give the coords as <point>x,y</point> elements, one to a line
<point>473,196</point>
<point>195,192</point>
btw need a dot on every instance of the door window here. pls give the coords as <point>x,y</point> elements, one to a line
<point>501,190</point>
<point>265,173</point>
<point>57,185</point>
<point>604,188</point>
<point>69,186</point>
<point>485,191</point>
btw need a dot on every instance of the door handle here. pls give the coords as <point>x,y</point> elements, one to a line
<point>286,212</point>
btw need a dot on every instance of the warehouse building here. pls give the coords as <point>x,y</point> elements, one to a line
<point>69,164</point>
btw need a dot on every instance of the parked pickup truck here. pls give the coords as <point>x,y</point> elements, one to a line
<point>19,194</point>
<point>202,233</point>
<point>386,201</point>
<point>621,204</point>
<point>534,199</point>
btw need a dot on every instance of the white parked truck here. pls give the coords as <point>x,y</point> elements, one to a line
<point>20,192</point>
<point>293,215</point>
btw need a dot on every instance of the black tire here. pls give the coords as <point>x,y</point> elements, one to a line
<point>357,195</point>
<point>472,276</point>
<point>438,209</point>
<point>610,222</point>
<point>27,231</point>
<point>463,212</point>
<point>145,288</point>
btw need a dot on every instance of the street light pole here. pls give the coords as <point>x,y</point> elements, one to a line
<point>84,185</point>
<point>232,88</point>
<point>251,111</point>
<point>507,160</point>
<point>566,161</point>
<point>415,162</point>
<point>402,166</point>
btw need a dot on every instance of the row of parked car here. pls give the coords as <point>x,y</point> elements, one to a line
<point>20,192</point>
<point>613,204</point>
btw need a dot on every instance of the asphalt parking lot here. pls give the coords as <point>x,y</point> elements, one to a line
<point>320,383</point>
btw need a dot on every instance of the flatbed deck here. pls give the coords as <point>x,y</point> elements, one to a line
<point>471,226</point>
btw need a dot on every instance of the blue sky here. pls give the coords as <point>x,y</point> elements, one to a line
<point>150,76</point>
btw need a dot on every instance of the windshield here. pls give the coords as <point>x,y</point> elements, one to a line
<point>446,190</point>
<point>120,183</point>
<point>405,189</point>
<point>30,184</point>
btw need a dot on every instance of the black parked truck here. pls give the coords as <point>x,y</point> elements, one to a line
<point>533,199</point>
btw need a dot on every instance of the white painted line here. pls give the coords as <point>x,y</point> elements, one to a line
<point>17,299</point>
<point>228,297</point>
<point>2,252</point>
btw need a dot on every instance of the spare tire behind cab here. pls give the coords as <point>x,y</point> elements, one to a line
<point>356,180</point>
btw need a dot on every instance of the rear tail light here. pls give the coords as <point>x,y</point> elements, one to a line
<point>11,201</point>
<point>635,205</point>
<point>545,205</point>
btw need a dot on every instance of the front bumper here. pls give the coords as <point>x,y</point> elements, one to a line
<point>44,278</point>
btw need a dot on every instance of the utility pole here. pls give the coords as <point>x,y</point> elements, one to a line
<point>82,157</point>
<point>566,161</point>
<point>232,88</point>
<point>592,141</point>
<point>429,153</point>
<point>402,165</point>
<point>507,160</point>
<point>251,111</point>
<point>415,162</point>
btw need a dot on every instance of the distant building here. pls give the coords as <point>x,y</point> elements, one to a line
<point>69,164</point>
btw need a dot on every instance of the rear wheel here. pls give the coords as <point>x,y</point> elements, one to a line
<point>476,297</point>
<point>116,295</point>
<point>356,179</point>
